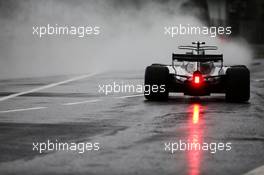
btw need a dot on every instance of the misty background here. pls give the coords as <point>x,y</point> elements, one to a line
<point>131,36</point>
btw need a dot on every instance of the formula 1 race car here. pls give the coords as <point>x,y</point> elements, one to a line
<point>197,74</point>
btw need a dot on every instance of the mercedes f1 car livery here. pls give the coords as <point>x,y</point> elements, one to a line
<point>197,74</point>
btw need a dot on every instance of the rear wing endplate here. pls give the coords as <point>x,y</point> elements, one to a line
<point>198,58</point>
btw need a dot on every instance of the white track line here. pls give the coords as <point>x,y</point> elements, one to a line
<point>130,96</point>
<point>259,80</point>
<point>256,171</point>
<point>93,101</point>
<point>46,86</point>
<point>80,102</point>
<point>22,109</point>
<point>67,104</point>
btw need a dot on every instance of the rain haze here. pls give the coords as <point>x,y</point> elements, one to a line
<point>131,36</point>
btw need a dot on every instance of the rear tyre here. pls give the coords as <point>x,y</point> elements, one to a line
<point>237,84</point>
<point>156,83</point>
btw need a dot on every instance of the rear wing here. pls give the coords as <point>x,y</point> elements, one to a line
<point>198,58</point>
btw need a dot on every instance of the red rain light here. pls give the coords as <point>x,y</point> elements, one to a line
<point>196,79</point>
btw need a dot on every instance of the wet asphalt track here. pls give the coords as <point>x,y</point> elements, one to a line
<point>130,130</point>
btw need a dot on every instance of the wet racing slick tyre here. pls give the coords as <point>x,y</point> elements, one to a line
<point>237,84</point>
<point>156,83</point>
